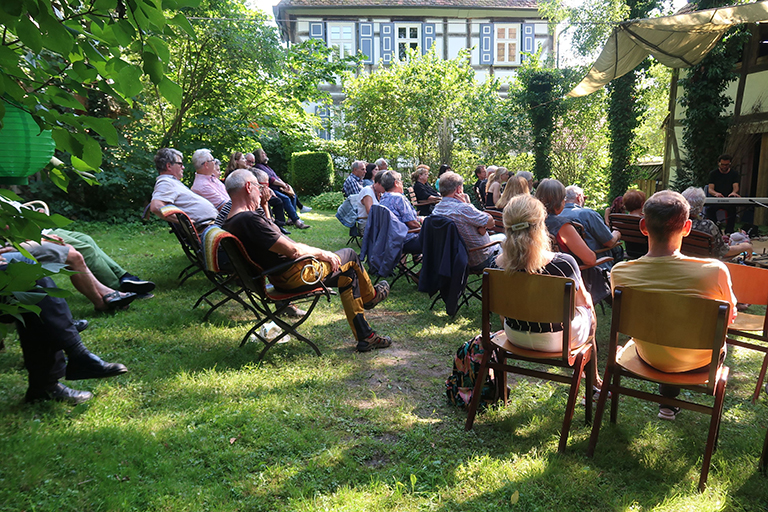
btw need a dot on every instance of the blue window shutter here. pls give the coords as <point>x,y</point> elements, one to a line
<point>324,114</point>
<point>366,42</point>
<point>317,30</point>
<point>427,36</point>
<point>387,34</point>
<point>528,45</point>
<point>486,44</point>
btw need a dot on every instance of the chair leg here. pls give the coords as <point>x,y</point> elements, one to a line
<point>763,464</point>
<point>573,395</point>
<point>473,405</point>
<point>501,380</point>
<point>604,391</point>
<point>589,385</point>
<point>714,427</point>
<point>760,379</point>
<point>615,398</point>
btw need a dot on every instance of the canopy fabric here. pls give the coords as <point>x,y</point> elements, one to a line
<point>675,41</point>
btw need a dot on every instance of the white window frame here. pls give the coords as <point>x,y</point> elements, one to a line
<point>408,40</point>
<point>517,41</point>
<point>337,43</point>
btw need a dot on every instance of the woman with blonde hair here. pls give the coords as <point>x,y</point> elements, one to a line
<point>516,185</point>
<point>528,249</point>
<point>493,190</point>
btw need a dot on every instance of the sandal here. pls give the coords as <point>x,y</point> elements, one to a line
<point>117,300</point>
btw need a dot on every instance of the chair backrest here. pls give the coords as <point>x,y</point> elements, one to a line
<point>498,219</point>
<point>213,256</point>
<point>635,242</point>
<point>536,298</point>
<point>671,320</point>
<point>189,232</point>
<point>244,267</point>
<point>750,284</point>
<point>383,240</point>
<point>698,244</point>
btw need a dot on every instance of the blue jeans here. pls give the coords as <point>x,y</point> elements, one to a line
<point>289,203</point>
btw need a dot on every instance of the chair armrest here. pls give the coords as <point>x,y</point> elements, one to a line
<point>484,246</point>
<point>604,259</point>
<point>279,268</point>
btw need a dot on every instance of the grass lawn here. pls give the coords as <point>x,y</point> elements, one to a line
<point>197,425</point>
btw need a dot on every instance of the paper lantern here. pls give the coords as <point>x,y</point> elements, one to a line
<point>24,150</point>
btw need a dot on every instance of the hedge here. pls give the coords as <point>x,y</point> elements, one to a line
<point>311,172</point>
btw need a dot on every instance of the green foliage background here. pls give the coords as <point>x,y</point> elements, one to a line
<point>311,172</point>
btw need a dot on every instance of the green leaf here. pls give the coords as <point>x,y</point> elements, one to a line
<point>182,22</point>
<point>153,67</point>
<point>80,164</point>
<point>92,152</point>
<point>29,34</point>
<point>128,81</point>
<point>58,178</point>
<point>29,297</point>
<point>63,99</point>
<point>58,292</point>
<point>12,8</point>
<point>155,15</point>
<point>65,141</point>
<point>160,48</point>
<point>123,37</point>
<point>103,126</point>
<point>170,91</point>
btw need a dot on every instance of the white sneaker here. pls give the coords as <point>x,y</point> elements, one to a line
<point>305,209</point>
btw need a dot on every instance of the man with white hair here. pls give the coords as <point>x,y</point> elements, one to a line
<point>596,234</point>
<point>382,164</point>
<point>206,183</point>
<point>354,182</point>
<point>267,247</point>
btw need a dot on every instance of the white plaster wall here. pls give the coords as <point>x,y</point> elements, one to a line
<point>755,93</point>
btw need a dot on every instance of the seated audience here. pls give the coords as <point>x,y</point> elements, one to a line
<point>552,193</point>
<point>443,169</point>
<point>424,191</point>
<point>695,197</point>
<point>370,171</point>
<point>354,181</point>
<point>617,206</point>
<point>367,197</point>
<point>382,164</point>
<point>664,269</point>
<point>207,183</point>
<point>267,247</point>
<point>516,185</point>
<point>479,187</point>
<point>527,249</point>
<point>282,191</point>
<point>528,175</point>
<point>633,202</point>
<point>596,234</point>
<point>471,223</point>
<point>401,207</point>
<point>493,193</point>
<point>237,160</point>
<point>169,190</point>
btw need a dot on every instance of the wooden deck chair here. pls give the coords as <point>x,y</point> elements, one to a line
<point>750,285</point>
<point>195,265</point>
<point>635,242</point>
<point>670,320</point>
<point>498,219</point>
<point>699,244</point>
<point>411,194</point>
<point>536,298</point>
<point>268,301</point>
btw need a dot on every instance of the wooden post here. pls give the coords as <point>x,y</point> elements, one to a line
<point>762,180</point>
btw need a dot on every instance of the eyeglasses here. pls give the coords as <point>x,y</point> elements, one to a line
<point>179,163</point>
<point>209,161</point>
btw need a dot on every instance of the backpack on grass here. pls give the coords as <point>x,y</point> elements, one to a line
<point>466,365</point>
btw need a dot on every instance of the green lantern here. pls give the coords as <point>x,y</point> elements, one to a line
<point>24,149</point>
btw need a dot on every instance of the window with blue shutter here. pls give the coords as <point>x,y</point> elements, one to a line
<point>387,35</point>
<point>366,42</point>
<point>528,45</point>
<point>427,36</point>
<point>486,44</point>
<point>317,30</point>
<point>325,115</point>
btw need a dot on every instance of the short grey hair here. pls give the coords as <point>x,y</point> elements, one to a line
<point>262,176</point>
<point>357,164</point>
<point>450,182</point>
<point>491,168</point>
<point>572,192</point>
<point>381,162</point>
<point>237,179</point>
<point>695,197</point>
<point>201,157</point>
<point>528,175</point>
<point>166,156</point>
<point>389,178</point>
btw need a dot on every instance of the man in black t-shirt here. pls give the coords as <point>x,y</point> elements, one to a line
<point>724,182</point>
<point>249,221</point>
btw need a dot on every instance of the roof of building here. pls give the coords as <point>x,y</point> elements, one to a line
<point>466,4</point>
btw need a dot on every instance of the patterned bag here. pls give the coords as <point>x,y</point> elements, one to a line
<point>460,385</point>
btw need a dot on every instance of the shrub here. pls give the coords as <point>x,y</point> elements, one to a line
<point>311,172</point>
<point>328,201</point>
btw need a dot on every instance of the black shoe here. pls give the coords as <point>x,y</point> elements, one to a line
<point>284,231</point>
<point>60,393</point>
<point>90,366</point>
<point>117,300</point>
<point>80,325</point>
<point>300,224</point>
<point>131,283</point>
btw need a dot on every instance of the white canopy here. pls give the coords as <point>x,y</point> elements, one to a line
<point>675,41</point>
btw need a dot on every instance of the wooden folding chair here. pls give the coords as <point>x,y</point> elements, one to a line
<point>536,298</point>
<point>195,263</point>
<point>669,320</point>
<point>498,219</point>
<point>635,242</point>
<point>411,194</point>
<point>381,225</point>
<point>750,285</point>
<point>699,245</point>
<point>268,301</point>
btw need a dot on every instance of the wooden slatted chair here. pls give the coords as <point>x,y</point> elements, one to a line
<point>411,194</point>
<point>635,242</point>
<point>669,320</point>
<point>268,301</point>
<point>498,219</point>
<point>195,265</point>
<point>699,244</point>
<point>750,285</point>
<point>537,298</point>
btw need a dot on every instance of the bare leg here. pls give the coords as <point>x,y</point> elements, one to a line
<point>84,281</point>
